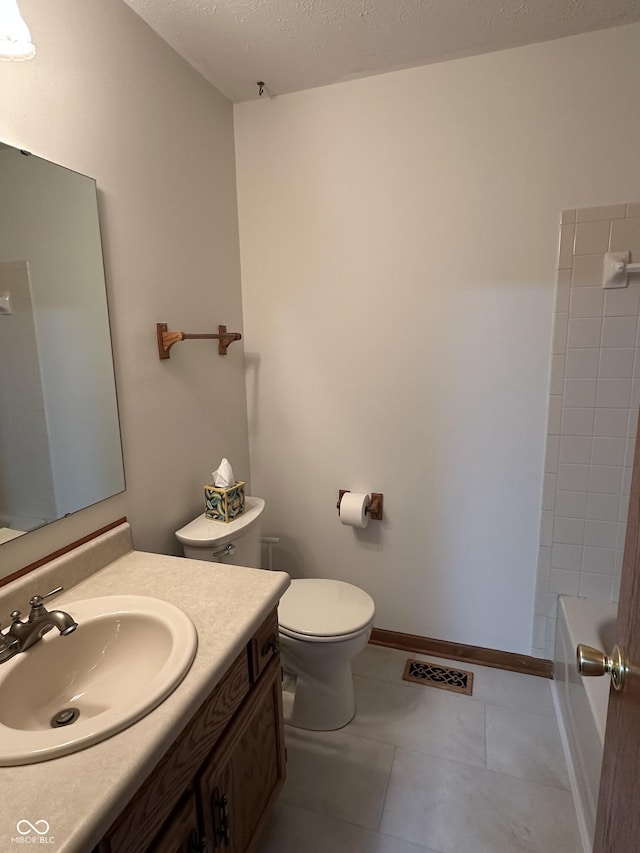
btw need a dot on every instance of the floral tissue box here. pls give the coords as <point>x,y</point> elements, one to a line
<point>224,504</point>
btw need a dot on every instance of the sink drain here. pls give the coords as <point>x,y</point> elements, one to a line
<point>64,717</point>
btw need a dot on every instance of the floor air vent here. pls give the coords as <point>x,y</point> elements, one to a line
<point>425,672</point>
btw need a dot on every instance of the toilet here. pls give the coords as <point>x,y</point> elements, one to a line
<point>323,624</point>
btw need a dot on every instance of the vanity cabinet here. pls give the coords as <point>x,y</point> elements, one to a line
<point>215,787</point>
<point>181,833</point>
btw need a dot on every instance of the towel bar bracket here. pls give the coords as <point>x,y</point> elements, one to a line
<point>167,338</point>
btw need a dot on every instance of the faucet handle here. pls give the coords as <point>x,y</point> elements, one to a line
<point>15,616</point>
<point>37,606</point>
<point>37,600</point>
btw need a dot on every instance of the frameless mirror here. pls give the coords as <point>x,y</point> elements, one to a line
<point>60,448</point>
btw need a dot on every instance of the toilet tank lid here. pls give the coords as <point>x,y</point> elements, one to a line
<point>324,608</point>
<point>203,532</point>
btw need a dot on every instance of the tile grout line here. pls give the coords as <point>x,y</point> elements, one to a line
<point>485,735</point>
<point>386,788</point>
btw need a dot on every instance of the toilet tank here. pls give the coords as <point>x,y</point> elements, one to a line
<point>237,543</point>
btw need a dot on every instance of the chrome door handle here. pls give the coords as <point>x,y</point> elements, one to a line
<point>594,662</point>
<point>227,551</point>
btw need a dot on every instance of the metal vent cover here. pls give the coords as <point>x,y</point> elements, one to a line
<point>436,675</point>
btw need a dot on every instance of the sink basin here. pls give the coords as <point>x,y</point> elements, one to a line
<point>127,655</point>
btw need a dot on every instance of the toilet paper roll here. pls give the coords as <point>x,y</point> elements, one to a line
<point>353,509</point>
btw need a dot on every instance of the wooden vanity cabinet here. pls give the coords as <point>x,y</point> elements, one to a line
<point>239,784</point>
<point>214,788</point>
<point>181,833</point>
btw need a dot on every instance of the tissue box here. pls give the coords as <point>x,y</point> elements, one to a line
<point>224,504</point>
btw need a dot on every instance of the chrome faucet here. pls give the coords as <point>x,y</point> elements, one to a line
<point>22,635</point>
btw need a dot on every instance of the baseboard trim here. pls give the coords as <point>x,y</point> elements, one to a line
<point>463,652</point>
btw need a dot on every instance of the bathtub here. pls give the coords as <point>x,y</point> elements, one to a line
<point>581,703</point>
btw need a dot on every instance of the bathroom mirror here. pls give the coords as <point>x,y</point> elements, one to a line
<point>60,448</point>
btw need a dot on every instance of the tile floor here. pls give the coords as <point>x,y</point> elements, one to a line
<point>422,770</point>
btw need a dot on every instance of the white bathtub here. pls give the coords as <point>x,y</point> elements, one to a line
<point>581,703</point>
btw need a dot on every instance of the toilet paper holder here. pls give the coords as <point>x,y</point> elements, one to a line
<point>374,510</point>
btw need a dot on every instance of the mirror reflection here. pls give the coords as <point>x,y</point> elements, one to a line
<point>60,448</point>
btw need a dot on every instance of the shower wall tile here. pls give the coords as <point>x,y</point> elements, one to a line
<point>602,534</point>
<point>586,301</point>
<point>607,211</point>
<point>611,423</point>
<point>614,393</point>
<point>584,332</point>
<point>582,363</point>
<point>557,374</point>
<point>594,395</point>
<point>591,237</point>
<point>625,235</point>
<point>560,324</point>
<point>608,451</point>
<point>555,415</point>
<point>603,507</point>
<point>606,479</point>
<point>623,302</point>
<point>580,392</point>
<point>619,331</point>
<point>577,421</point>
<point>569,531</point>
<point>564,582</point>
<point>573,478</point>
<point>615,589</point>
<point>616,363</point>
<point>563,291</point>
<point>595,586</point>
<point>565,249</point>
<point>575,449</point>
<point>552,453</point>
<point>587,271</point>
<point>568,557</point>
<point>571,505</point>
<point>598,560</point>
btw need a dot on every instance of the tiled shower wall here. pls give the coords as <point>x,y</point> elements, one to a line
<point>593,409</point>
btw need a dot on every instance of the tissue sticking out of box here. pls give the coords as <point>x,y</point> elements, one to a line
<point>223,477</point>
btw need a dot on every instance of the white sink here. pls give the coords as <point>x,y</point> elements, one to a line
<point>127,655</point>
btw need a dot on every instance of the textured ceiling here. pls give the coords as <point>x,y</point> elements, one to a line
<point>300,44</point>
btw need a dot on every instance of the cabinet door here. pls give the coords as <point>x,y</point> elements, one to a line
<point>180,833</point>
<point>240,782</point>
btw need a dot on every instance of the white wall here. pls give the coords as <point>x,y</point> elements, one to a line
<point>105,96</point>
<point>398,240</point>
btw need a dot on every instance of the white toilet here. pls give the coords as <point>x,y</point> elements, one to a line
<point>323,623</point>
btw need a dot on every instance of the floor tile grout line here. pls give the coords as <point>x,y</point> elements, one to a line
<point>386,787</point>
<point>408,685</point>
<point>527,779</point>
<point>316,811</point>
<point>484,711</point>
<point>311,810</point>
<point>397,746</point>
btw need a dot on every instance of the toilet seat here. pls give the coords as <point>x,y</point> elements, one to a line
<point>324,611</point>
<point>313,638</point>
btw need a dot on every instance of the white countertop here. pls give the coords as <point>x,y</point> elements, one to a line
<point>80,795</point>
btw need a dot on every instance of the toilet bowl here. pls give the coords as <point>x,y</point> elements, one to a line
<point>323,624</point>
